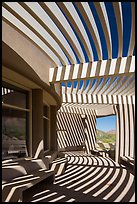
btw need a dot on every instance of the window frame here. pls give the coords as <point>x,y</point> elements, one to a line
<point>18,88</point>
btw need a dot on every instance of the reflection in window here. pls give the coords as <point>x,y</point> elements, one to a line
<point>14,124</point>
<point>12,97</point>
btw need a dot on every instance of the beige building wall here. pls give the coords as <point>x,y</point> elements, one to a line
<point>26,65</point>
<point>75,127</point>
<point>125,143</point>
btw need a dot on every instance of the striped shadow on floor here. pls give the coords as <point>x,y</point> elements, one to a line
<point>88,179</point>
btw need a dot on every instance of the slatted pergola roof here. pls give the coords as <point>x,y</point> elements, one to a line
<point>91,44</point>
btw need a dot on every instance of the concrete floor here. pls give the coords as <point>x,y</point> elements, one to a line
<point>87,179</point>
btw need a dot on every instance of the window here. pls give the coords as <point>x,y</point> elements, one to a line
<point>106,132</point>
<point>46,127</point>
<point>12,97</point>
<point>14,122</point>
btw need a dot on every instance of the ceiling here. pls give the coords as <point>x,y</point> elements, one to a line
<point>91,43</point>
<point>76,32</point>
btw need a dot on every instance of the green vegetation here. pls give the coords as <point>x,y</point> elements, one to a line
<point>14,128</point>
<point>15,132</point>
<point>106,137</point>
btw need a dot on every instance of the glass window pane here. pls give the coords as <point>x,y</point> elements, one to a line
<point>13,133</point>
<point>12,97</point>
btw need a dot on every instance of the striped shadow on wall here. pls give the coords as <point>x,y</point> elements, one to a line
<point>76,126</point>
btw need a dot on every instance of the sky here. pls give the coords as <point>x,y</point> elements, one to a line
<point>106,123</point>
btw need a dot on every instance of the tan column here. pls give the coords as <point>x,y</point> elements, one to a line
<point>53,134</point>
<point>37,123</point>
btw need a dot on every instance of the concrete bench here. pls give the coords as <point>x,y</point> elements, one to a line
<point>57,162</point>
<point>59,165</point>
<point>18,176</point>
<point>128,161</point>
<point>98,152</point>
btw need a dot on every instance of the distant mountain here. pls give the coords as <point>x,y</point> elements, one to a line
<point>100,133</point>
<point>112,132</point>
<point>107,137</point>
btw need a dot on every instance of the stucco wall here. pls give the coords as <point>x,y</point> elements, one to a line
<point>28,51</point>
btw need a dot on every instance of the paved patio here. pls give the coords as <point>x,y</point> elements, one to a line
<point>88,179</point>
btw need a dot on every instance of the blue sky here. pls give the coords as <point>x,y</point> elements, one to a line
<point>127,21</point>
<point>106,123</point>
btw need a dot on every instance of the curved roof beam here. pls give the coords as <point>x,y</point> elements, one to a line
<point>101,10</point>
<point>59,19</point>
<point>119,21</point>
<point>120,85</point>
<point>11,19</point>
<point>130,92</point>
<point>124,65</point>
<point>47,23</point>
<point>102,85</point>
<point>101,90</point>
<point>21,14</point>
<point>132,35</point>
<point>88,16</point>
<point>88,87</point>
<point>75,21</point>
<point>75,90</point>
<point>94,86</point>
<point>83,87</point>
<point>128,84</point>
<point>125,87</point>
<point>98,99</point>
<point>108,86</point>
<point>114,85</point>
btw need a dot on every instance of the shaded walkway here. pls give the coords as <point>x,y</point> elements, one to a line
<point>88,179</point>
